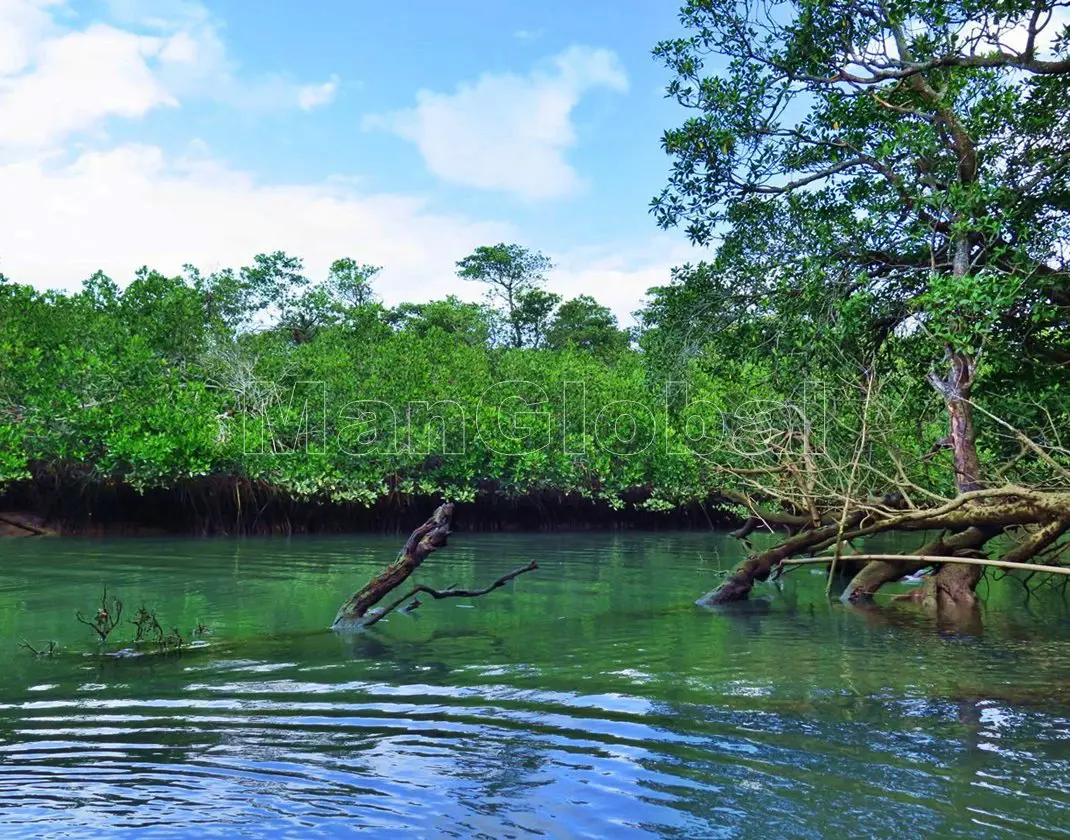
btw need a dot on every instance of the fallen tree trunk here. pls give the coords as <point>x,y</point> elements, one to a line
<point>758,566</point>
<point>966,525</point>
<point>360,610</point>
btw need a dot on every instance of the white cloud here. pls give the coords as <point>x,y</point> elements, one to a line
<point>619,274</point>
<point>508,132</point>
<point>22,24</point>
<point>55,81</point>
<point>193,62</point>
<point>77,80</point>
<point>130,206</point>
<point>316,96</point>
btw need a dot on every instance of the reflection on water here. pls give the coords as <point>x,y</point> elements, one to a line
<point>589,699</point>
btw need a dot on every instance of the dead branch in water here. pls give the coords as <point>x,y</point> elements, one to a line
<point>439,594</point>
<point>837,471</point>
<point>105,619</point>
<point>432,535</point>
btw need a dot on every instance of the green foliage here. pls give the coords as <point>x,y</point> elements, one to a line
<point>351,283</point>
<point>886,186</point>
<point>472,323</point>
<point>513,275</point>
<point>320,396</point>
<point>843,152</point>
<point>585,324</point>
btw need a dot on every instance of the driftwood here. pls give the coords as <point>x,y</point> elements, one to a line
<point>439,594</point>
<point>361,611</point>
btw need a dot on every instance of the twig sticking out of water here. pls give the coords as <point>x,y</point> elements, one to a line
<point>42,653</point>
<point>452,592</point>
<point>106,619</point>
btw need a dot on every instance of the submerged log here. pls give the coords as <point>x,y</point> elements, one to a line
<point>361,611</point>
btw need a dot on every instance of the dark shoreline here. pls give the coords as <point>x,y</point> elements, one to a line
<point>229,507</point>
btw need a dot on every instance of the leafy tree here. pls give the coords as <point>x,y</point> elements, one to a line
<point>878,174</point>
<point>163,310</point>
<point>585,323</point>
<point>472,322</point>
<point>227,306</point>
<point>100,292</point>
<point>273,282</point>
<point>511,272</point>
<point>305,315</point>
<point>533,313</point>
<point>350,283</point>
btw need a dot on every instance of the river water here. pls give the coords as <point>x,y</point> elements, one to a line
<point>587,699</point>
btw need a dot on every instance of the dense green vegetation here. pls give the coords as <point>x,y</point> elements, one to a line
<point>885,312</point>
<point>318,390</point>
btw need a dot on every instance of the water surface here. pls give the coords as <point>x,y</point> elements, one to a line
<point>588,699</point>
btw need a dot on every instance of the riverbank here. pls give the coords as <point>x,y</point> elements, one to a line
<point>227,507</point>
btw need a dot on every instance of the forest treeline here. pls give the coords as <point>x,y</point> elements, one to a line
<point>315,390</point>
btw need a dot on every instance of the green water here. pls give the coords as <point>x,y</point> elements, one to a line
<point>589,699</point>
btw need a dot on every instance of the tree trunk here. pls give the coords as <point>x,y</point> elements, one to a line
<point>955,389</point>
<point>757,567</point>
<point>952,586</point>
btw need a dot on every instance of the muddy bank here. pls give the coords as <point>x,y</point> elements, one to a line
<point>231,507</point>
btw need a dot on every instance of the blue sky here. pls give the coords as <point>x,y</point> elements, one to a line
<point>402,133</point>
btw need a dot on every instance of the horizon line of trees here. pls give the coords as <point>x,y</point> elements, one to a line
<point>154,384</point>
<point>275,293</point>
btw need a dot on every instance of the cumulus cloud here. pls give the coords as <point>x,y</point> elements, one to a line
<point>126,207</point>
<point>55,81</point>
<point>77,80</point>
<point>22,24</point>
<point>508,132</point>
